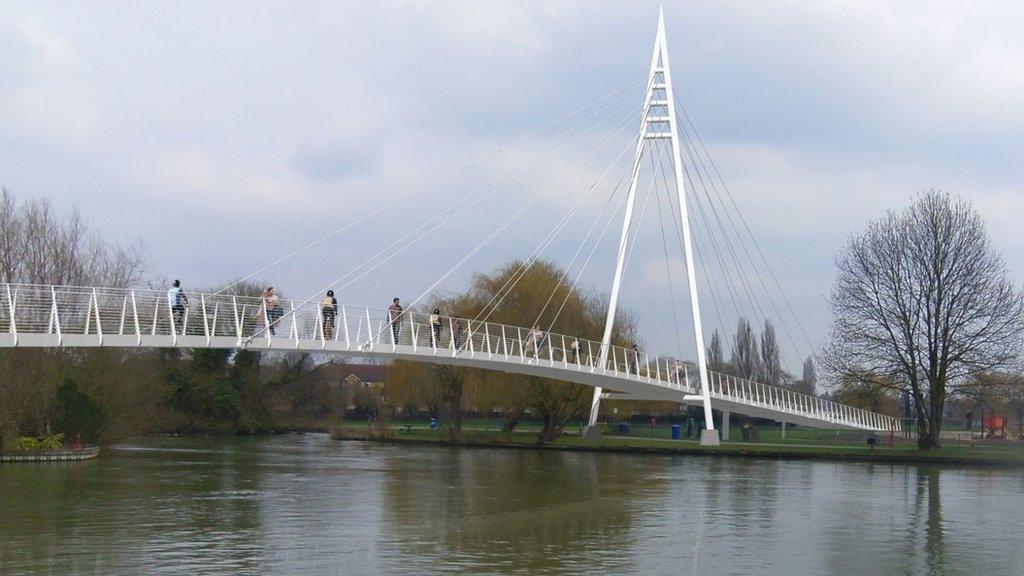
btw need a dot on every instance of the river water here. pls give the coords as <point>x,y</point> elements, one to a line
<point>309,505</point>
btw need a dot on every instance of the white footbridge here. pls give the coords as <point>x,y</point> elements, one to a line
<point>36,316</point>
<point>42,316</point>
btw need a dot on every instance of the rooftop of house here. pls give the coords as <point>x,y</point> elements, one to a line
<point>364,372</point>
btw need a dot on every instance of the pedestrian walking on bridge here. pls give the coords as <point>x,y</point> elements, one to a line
<point>395,319</point>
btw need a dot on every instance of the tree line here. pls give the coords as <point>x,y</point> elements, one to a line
<point>926,323</point>
<point>106,394</point>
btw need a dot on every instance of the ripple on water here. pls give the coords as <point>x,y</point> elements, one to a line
<point>308,505</point>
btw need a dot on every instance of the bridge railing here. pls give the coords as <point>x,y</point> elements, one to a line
<point>253,321</point>
<point>784,400</point>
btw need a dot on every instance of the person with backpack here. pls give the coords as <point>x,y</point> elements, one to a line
<point>435,326</point>
<point>329,312</point>
<point>177,300</point>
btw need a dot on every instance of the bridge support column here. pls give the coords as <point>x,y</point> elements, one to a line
<point>725,425</point>
<point>783,429</point>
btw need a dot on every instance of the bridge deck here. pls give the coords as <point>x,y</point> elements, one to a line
<point>61,316</point>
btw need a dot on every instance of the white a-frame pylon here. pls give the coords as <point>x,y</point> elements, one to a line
<point>659,122</point>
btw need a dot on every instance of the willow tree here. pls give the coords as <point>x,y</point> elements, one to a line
<point>541,293</point>
<point>923,302</point>
<point>520,294</point>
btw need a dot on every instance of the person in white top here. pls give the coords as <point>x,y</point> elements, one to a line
<point>575,348</point>
<point>272,307</point>
<point>177,300</point>
<point>435,325</point>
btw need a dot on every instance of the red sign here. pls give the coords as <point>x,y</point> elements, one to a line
<point>992,422</point>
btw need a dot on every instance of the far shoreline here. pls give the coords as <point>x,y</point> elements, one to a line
<point>1002,457</point>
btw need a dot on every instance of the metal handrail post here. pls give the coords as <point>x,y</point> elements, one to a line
<point>239,320</point>
<point>206,318</point>
<point>295,324</point>
<point>13,327</point>
<point>56,317</point>
<point>412,331</point>
<point>369,328</point>
<point>99,326</point>
<point>451,336</point>
<point>124,311</point>
<point>135,317</point>
<point>344,321</point>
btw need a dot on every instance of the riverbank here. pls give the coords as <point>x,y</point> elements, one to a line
<point>1011,456</point>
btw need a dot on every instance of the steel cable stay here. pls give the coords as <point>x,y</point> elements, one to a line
<point>519,212</point>
<point>617,93</point>
<point>698,250</point>
<point>586,262</point>
<point>723,270</point>
<point>477,200</point>
<point>595,221</point>
<point>696,238</point>
<point>526,265</point>
<point>759,316</point>
<point>746,226</point>
<point>637,227</point>
<point>558,283</point>
<point>664,248</point>
<point>502,179</point>
<point>474,200</point>
<point>727,239</point>
<point>499,297</point>
<point>709,254</point>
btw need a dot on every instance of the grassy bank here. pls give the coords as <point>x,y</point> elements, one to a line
<point>1011,456</point>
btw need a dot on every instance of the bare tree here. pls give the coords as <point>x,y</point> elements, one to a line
<point>923,302</point>
<point>745,356</point>
<point>809,380</point>
<point>716,356</point>
<point>39,246</point>
<point>771,358</point>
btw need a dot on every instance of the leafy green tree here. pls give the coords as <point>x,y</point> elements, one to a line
<point>76,413</point>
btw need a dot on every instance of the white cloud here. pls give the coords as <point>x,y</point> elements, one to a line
<point>256,128</point>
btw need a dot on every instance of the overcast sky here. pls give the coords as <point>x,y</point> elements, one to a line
<point>224,135</point>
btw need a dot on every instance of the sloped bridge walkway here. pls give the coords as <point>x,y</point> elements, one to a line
<point>44,316</point>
